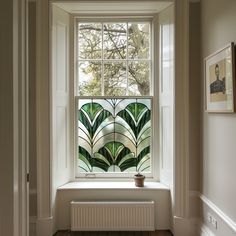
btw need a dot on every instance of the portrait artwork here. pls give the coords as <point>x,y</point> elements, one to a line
<point>219,80</point>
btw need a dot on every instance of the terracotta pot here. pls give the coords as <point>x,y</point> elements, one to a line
<point>139,180</point>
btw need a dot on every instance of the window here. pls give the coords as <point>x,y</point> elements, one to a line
<point>114,98</point>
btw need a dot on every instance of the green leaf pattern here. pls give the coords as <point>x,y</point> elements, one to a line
<point>114,135</point>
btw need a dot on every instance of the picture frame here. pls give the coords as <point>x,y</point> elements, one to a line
<point>220,81</point>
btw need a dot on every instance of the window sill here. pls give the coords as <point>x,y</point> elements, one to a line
<point>112,186</point>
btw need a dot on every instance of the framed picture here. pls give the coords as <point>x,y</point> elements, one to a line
<point>220,81</point>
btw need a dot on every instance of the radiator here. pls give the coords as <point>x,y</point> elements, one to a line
<point>112,216</point>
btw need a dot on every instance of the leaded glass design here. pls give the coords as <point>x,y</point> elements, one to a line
<point>114,135</point>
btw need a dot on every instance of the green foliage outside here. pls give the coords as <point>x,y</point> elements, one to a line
<point>113,59</point>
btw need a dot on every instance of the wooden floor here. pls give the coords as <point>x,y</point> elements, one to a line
<point>156,233</point>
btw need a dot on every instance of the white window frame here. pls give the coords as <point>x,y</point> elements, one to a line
<point>155,147</point>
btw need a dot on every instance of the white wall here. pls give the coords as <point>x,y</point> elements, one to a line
<point>219,130</point>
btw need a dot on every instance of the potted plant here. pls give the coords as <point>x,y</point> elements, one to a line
<point>139,180</point>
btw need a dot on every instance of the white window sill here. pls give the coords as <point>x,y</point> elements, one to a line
<point>112,186</point>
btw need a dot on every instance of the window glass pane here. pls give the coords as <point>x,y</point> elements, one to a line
<point>90,78</point>
<point>112,74</point>
<point>138,40</point>
<point>114,135</point>
<point>115,40</point>
<point>90,40</point>
<point>115,82</point>
<point>139,78</point>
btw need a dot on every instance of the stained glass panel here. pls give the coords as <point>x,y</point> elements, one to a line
<point>114,135</point>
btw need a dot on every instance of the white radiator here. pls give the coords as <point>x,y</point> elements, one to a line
<point>112,216</point>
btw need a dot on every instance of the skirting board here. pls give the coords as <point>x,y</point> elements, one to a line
<point>44,226</point>
<point>219,212</point>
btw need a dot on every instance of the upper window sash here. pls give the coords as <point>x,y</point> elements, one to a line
<point>124,66</point>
